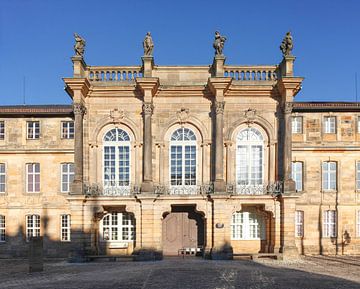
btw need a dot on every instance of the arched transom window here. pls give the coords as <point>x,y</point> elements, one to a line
<point>183,158</point>
<point>249,158</point>
<point>116,159</point>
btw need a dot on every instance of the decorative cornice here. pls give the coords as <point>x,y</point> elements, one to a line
<point>79,108</point>
<point>326,106</point>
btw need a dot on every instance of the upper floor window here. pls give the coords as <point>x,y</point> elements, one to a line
<point>329,223</point>
<point>329,124</point>
<point>247,226</point>
<point>183,158</point>
<point>299,223</point>
<point>67,129</point>
<point>358,223</point>
<point>118,227</point>
<point>297,175</point>
<point>33,177</point>
<point>67,176</point>
<point>358,124</point>
<point>249,158</point>
<point>33,129</point>
<point>297,124</point>
<point>2,178</point>
<point>2,130</point>
<point>358,175</point>
<point>116,159</point>
<point>65,228</point>
<point>329,178</point>
<point>2,228</point>
<point>32,226</point>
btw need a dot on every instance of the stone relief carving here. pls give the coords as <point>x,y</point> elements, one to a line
<point>148,45</point>
<point>79,108</point>
<point>219,43</point>
<point>182,115</point>
<point>79,46</point>
<point>117,115</point>
<point>287,44</point>
<point>148,108</point>
<point>219,106</point>
<point>288,107</point>
<point>250,115</point>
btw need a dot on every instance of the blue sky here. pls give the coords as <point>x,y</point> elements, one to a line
<point>36,40</point>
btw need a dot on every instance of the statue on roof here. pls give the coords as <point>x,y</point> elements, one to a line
<point>219,43</point>
<point>287,44</point>
<point>148,45</point>
<point>79,46</point>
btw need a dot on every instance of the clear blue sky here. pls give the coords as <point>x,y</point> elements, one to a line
<point>36,40</point>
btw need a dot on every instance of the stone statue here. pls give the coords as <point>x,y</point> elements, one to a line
<point>287,44</point>
<point>79,46</point>
<point>219,43</point>
<point>148,45</point>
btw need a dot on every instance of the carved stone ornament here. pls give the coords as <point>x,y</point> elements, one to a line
<point>182,115</point>
<point>288,107</point>
<point>79,46</point>
<point>287,44</point>
<point>79,108</point>
<point>117,115</point>
<point>148,108</point>
<point>219,106</point>
<point>148,45</point>
<point>250,115</point>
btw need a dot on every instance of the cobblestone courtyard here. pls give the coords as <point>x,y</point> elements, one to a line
<point>309,272</point>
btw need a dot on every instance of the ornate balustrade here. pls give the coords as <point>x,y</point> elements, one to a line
<point>113,73</point>
<point>251,73</point>
<point>97,190</point>
<point>184,190</point>
<point>274,188</point>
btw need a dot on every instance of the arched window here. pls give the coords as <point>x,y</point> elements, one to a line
<point>183,158</point>
<point>249,158</point>
<point>116,163</point>
<point>247,225</point>
<point>118,227</point>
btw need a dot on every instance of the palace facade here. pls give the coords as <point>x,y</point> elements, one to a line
<point>214,160</point>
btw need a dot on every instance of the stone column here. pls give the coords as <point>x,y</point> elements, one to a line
<point>79,111</point>
<point>147,185</point>
<point>289,184</point>
<point>219,184</point>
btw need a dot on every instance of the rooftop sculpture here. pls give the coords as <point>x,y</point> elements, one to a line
<point>148,45</point>
<point>287,44</point>
<point>79,46</point>
<point>219,43</point>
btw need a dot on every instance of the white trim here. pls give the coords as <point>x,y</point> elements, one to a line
<point>242,223</point>
<point>35,228</point>
<point>34,174</point>
<point>117,228</point>
<point>65,229</point>
<point>70,175</point>
<point>2,229</point>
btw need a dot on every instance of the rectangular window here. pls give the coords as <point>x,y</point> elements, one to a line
<point>299,224</point>
<point>65,228</point>
<point>358,175</point>
<point>329,224</point>
<point>33,178</point>
<point>329,124</point>
<point>2,130</point>
<point>67,129</point>
<point>247,226</point>
<point>32,226</point>
<point>2,178</point>
<point>33,130</point>
<point>358,124</point>
<point>2,228</point>
<point>297,175</point>
<point>358,223</point>
<point>67,176</point>
<point>297,124</point>
<point>329,176</point>
<point>118,227</point>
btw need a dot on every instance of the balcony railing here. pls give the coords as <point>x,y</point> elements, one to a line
<point>274,188</point>
<point>251,73</point>
<point>113,73</point>
<point>204,189</point>
<point>95,190</point>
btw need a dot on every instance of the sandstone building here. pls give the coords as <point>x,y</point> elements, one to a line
<point>202,159</point>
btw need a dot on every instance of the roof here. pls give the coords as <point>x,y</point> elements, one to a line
<point>36,110</point>
<point>326,106</point>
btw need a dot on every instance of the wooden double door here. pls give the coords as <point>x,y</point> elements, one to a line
<point>179,231</point>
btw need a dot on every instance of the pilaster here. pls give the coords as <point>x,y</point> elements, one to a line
<point>147,65</point>
<point>79,66</point>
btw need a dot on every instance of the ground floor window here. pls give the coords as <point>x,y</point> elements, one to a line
<point>329,223</point>
<point>299,223</point>
<point>65,228</point>
<point>247,226</point>
<point>118,227</point>
<point>358,223</point>
<point>32,226</point>
<point>2,228</point>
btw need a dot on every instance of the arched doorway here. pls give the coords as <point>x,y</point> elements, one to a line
<point>183,229</point>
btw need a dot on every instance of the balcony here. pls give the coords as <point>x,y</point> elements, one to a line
<point>271,188</point>
<point>97,190</point>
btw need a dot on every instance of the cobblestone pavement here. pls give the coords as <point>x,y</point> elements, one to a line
<point>309,272</point>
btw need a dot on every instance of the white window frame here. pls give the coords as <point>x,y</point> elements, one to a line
<point>358,124</point>
<point>68,174</point>
<point>33,129</point>
<point>184,145</point>
<point>329,224</point>
<point>329,176</point>
<point>357,167</point>
<point>113,224</point>
<point>298,175</point>
<point>34,229</point>
<point>299,224</point>
<point>358,223</point>
<point>2,178</point>
<point>329,124</point>
<point>247,225</point>
<point>2,229</point>
<point>297,124</point>
<point>65,230</point>
<point>112,184</point>
<point>33,175</point>
<point>2,130</point>
<point>67,129</point>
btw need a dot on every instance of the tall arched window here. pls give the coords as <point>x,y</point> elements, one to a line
<point>249,158</point>
<point>116,159</point>
<point>183,158</point>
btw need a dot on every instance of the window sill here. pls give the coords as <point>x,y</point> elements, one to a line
<point>329,191</point>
